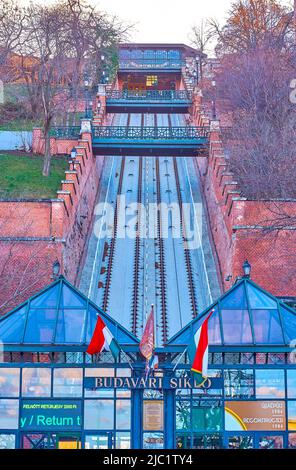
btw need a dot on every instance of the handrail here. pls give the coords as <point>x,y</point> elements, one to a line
<point>150,133</point>
<point>150,63</point>
<point>153,95</point>
<point>68,132</point>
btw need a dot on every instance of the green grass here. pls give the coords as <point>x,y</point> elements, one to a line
<point>19,125</point>
<point>21,176</point>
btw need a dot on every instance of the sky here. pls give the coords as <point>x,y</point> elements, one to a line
<point>161,20</point>
<point>165,20</point>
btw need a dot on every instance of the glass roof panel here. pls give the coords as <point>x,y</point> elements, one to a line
<point>289,323</point>
<point>267,327</point>
<point>214,331</point>
<point>12,327</point>
<point>40,326</point>
<point>48,299</point>
<point>258,299</point>
<point>70,298</point>
<point>70,327</point>
<point>236,327</point>
<point>235,299</point>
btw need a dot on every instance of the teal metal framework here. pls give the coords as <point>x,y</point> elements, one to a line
<point>151,95</point>
<point>151,133</point>
<point>66,132</point>
<point>251,334</point>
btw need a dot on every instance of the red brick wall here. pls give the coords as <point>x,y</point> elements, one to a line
<point>238,226</point>
<point>33,234</point>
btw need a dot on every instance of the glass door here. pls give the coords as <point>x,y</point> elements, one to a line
<point>98,441</point>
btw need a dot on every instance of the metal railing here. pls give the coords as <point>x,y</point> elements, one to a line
<point>153,95</point>
<point>150,64</point>
<point>150,133</point>
<point>70,132</point>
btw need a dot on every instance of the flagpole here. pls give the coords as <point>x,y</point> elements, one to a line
<point>179,360</point>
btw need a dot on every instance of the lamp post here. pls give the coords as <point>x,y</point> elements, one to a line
<point>55,270</point>
<point>86,97</point>
<point>247,269</point>
<point>214,110</point>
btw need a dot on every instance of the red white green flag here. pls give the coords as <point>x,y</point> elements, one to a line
<point>103,340</point>
<point>147,344</point>
<point>199,351</point>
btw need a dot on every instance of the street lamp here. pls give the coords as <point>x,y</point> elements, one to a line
<point>247,269</point>
<point>73,153</point>
<point>214,113</point>
<point>55,270</point>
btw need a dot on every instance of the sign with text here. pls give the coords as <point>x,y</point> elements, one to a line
<point>156,383</point>
<point>153,415</point>
<point>42,415</point>
<point>254,415</point>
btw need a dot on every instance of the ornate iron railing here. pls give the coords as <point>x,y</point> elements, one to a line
<point>150,133</point>
<point>65,132</point>
<point>151,95</point>
<point>150,64</point>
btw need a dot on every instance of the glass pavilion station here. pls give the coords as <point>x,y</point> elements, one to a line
<point>54,395</point>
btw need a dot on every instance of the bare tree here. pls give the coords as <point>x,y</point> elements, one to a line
<point>201,37</point>
<point>252,24</point>
<point>56,47</point>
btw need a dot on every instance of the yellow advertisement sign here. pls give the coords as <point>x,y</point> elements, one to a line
<point>268,415</point>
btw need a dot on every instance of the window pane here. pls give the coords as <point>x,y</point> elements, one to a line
<point>292,440</point>
<point>99,414</point>
<point>123,440</point>
<point>236,299</point>
<point>258,299</point>
<point>206,416</point>
<point>70,298</point>
<point>271,442</point>
<point>71,326</point>
<point>96,442</point>
<point>9,382</point>
<point>7,441</point>
<point>239,383</point>
<point>47,299</point>
<point>240,442</point>
<point>214,328</point>
<point>292,415</point>
<point>36,382</point>
<point>9,413</point>
<point>183,441</point>
<point>183,415</point>
<point>236,327</point>
<point>99,372</point>
<point>12,328</point>
<point>291,383</point>
<point>67,382</point>
<point>267,327</point>
<point>40,325</point>
<point>153,440</point>
<point>207,441</point>
<point>270,383</point>
<point>289,322</point>
<point>123,414</point>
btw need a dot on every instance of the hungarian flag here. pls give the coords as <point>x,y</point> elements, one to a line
<point>199,351</point>
<point>147,344</point>
<point>103,340</point>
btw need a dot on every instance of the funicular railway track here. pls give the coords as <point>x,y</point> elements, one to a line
<point>185,242</point>
<point>113,240</point>
<point>161,265</point>
<point>137,265</point>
